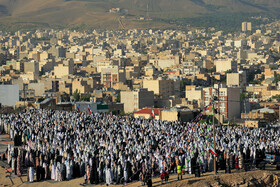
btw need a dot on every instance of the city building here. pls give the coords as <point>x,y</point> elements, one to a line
<point>163,89</point>
<point>9,95</point>
<point>136,99</point>
<point>237,79</point>
<point>227,102</point>
<point>246,26</point>
<point>111,75</point>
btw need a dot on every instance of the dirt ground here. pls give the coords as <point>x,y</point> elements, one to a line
<point>268,177</point>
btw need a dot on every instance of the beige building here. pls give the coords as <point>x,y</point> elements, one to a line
<point>165,61</point>
<point>246,26</point>
<point>228,101</point>
<point>236,79</point>
<point>260,114</point>
<point>193,93</point>
<point>29,76</point>
<point>81,85</point>
<point>176,115</point>
<point>150,70</point>
<point>39,88</point>
<point>223,65</point>
<point>137,99</point>
<point>132,72</point>
<point>31,66</point>
<point>163,88</point>
<point>64,69</point>
<point>147,113</point>
<point>252,123</point>
<point>112,75</point>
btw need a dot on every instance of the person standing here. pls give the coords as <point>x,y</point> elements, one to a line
<point>179,170</point>
<point>19,163</point>
<point>30,165</point>
<point>162,175</point>
<point>149,179</point>
<point>53,168</point>
<point>166,175</point>
<point>108,175</point>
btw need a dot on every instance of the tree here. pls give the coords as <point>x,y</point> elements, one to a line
<point>228,71</point>
<point>213,69</point>
<point>276,97</point>
<point>118,98</point>
<point>243,96</point>
<point>85,97</point>
<point>65,97</point>
<point>276,77</point>
<point>263,77</point>
<point>76,95</point>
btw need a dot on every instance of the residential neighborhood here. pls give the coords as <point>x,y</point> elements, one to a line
<point>132,71</point>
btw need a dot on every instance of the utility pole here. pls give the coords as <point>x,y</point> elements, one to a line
<point>279,115</point>
<point>24,95</point>
<point>214,135</point>
<point>219,114</point>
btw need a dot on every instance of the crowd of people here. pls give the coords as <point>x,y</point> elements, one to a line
<point>61,145</point>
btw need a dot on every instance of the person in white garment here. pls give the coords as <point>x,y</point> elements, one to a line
<point>108,176</point>
<point>53,170</point>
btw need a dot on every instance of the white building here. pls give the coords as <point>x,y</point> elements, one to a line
<point>9,94</point>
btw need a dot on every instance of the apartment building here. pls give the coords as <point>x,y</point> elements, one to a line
<point>137,99</point>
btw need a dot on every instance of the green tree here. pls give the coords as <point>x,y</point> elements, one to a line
<point>85,97</point>
<point>276,77</point>
<point>118,98</point>
<point>76,95</point>
<point>276,97</point>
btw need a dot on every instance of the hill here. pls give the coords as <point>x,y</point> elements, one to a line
<point>95,13</point>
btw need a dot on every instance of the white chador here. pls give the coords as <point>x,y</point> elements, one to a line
<point>53,172</point>
<point>108,176</point>
<point>190,167</point>
<point>31,174</point>
<point>125,172</point>
<point>13,163</point>
<point>57,172</point>
<point>68,170</point>
<point>9,153</point>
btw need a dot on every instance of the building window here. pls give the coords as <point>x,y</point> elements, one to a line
<point>222,104</point>
<point>222,93</point>
<point>222,98</point>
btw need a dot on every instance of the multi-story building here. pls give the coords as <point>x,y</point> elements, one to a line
<point>137,99</point>
<point>163,89</point>
<point>227,103</point>
<point>193,93</point>
<point>81,85</point>
<point>57,51</point>
<point>9,95</point>
<point>112,75</point>
<point>236,79</point>
<point>223,65</point>
<point>246,26</point>
<point>31,66</point>
<point>65,69</point>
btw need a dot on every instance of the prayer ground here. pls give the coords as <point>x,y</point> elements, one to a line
<point>268,177</point>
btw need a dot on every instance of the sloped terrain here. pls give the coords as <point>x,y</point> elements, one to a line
<point>95,12</point>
